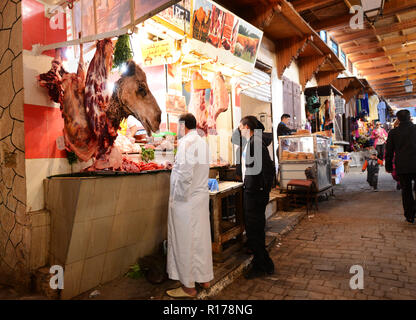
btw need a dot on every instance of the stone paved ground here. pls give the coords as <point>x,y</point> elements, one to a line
<point>358,227</point>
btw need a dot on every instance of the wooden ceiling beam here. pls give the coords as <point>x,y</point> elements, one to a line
<point>395,6</point>
<point>398,40</point>
<point>303,5</point>
<point>401,50</point>
<point>354,36</point>
<point>360,48</point>
<point>393,79</point>
<point>367,56</point>
<point>368,72</point>
<point>371,64</point>
<point>390,74</point>
<point>333,23</point>
<point>407,24</point>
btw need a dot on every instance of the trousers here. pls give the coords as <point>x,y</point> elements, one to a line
<point>380,151</point>
<point>408,199</point>
<point>255,222</point>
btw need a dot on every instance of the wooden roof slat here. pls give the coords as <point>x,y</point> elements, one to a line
<point>367,56</point>
<point>303,5</point>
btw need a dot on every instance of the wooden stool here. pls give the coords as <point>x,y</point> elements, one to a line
<point>303,187</point>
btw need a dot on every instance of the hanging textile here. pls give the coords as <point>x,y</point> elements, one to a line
<point>339,105</point>
<point>381,108</point>
<point>373,103</point>
<point>364,105</point>
<point>332,113</point>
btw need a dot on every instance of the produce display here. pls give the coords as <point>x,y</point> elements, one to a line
<point>92,114</point>
<point>148,154</point>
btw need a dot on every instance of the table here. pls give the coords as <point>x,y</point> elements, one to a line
<point>219,235</point>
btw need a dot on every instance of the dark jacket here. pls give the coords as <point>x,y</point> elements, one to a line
<point>284,130</point>
<point>402,143</point>
<point>258,181</point>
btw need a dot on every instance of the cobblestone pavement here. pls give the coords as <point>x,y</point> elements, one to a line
<point>357,227</point>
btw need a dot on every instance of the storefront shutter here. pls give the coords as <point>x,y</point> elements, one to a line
<point>297,106</point>
<point>287,96</point>
<point>258,86</point>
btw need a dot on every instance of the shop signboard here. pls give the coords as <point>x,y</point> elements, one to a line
<point>159,53</point>
<point>218,33</point>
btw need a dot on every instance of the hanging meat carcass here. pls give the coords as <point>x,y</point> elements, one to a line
<point>92,114</point>
<point>197,104</point>
<point>219,101</point>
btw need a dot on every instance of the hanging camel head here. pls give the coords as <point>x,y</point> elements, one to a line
<point>134,96</point>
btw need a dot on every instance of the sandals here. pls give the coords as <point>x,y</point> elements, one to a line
<point>179,293</point>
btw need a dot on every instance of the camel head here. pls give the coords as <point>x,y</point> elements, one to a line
<point>134,96</point>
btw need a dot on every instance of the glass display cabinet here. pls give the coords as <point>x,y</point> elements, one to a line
<point>298,153</point>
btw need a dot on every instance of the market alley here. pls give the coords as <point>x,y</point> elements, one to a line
<point>358,227</point>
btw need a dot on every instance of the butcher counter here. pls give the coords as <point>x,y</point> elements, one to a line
<point>101,225</point>
<point>102,222</point>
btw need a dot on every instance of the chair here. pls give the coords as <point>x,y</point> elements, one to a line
<point>302,189</point>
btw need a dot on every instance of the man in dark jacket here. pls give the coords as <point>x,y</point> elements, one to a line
<point>257,171</point>
<point>401,145</point>
<point>282,128</point>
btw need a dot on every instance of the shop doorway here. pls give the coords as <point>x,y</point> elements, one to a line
<point>256,99</point>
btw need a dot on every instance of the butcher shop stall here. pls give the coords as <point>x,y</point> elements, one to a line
<point>112,78</point>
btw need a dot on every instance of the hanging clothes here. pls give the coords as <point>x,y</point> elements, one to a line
<point>381,108</point>
<point>364,105</point>
<point>332,113</point>
<point>339,105</point>
<point>373,103</point>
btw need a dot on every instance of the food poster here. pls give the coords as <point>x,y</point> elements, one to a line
<point>248,42</point>
<point>87,18</point>
<point>218,33</point>
<point>178,15</point>
<point>175,104</point>
<point>201,20</point>
<point>112,14</point>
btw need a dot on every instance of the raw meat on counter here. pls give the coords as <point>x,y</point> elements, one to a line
<point>219,101</point>
<point>197,104</point>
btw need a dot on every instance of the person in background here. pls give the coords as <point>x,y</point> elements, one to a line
<point>372,165</point>
<point>258,172</point>
<point>379,136</point>
<point>189,257</point>
<point>394,173</point>
<point>401,145</point>
<point>282,128</point>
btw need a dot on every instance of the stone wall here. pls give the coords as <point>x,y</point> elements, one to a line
<point>14,222</point>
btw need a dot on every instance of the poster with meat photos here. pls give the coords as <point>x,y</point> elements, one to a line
<point>248,42</point>
<point>217,24</point>
<point>201,20</point>
<point>178,15</point>
<point>112,14</point>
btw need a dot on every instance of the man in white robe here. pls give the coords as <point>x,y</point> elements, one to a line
<point>189,229</point>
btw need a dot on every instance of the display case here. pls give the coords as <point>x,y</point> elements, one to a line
<point>297,153</point>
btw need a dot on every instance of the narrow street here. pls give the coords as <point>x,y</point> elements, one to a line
<point>358,227</point>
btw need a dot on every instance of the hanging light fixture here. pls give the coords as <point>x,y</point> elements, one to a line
<point>373,9</point>
<point>408,84</point>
